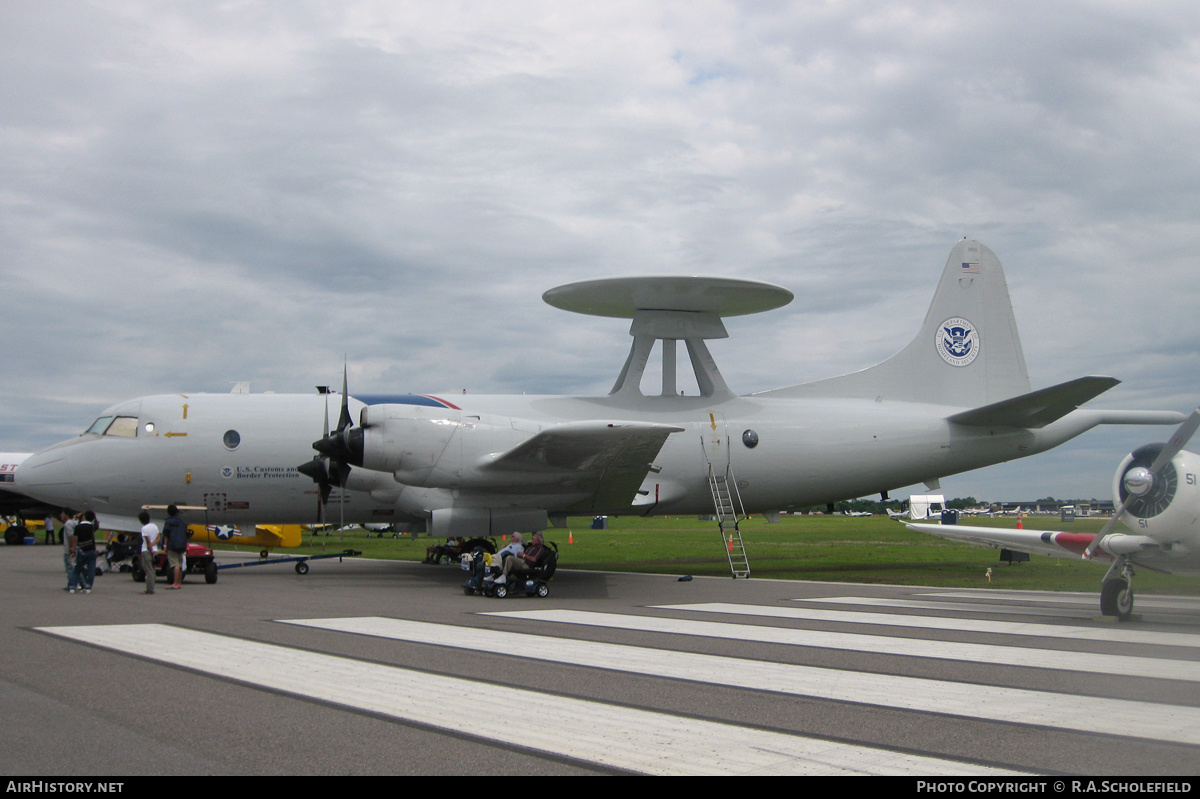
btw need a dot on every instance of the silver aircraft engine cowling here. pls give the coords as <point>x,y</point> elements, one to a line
<point>1159,505</point>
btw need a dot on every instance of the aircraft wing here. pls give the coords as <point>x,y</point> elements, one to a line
<point>1142,548</point>
<point>1037,408</point>
<point>606,460</point>
<point>118,524</point>
<point>1042,542</point>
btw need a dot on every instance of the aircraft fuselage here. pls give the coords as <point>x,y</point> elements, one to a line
<point>238,455</point>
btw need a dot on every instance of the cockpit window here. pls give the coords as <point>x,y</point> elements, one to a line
<point>115,426</point>
<point>100,425</point>
<point>123,426</point>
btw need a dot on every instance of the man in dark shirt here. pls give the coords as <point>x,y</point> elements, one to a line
<point>175,537</point>
<point>83,549</point>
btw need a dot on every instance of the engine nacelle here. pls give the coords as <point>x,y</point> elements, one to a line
<point>481,522</point>
<point>1165,506</point>
<point>438,448</point>
<point>409,439</point>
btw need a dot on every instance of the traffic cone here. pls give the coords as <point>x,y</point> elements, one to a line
<point>1020,520</point>
<point>570,537</point>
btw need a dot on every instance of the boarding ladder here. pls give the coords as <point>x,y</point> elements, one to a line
<point>725,493</point>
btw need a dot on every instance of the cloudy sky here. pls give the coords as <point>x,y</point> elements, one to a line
<point>194,194</point>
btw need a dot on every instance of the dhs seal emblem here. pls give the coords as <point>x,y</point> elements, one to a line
<point>957,341</point>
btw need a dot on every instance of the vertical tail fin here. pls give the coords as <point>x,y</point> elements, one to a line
<point>967,353</point>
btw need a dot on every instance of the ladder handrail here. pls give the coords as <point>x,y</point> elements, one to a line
<point>723,503</point>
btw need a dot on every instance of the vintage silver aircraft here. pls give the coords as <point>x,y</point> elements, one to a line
<point>956,398</point>
<point>1157,498</point>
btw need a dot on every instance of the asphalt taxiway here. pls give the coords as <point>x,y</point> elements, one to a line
<point>383,667</point>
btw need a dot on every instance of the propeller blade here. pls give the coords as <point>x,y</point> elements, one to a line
<point>337,451</point>
<point>1107,528</point>
<point>339,473</point>
<point>1177,442</point>
<point>344,420</point>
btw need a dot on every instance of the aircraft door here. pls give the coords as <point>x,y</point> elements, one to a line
<point>715,441</point>
<point>215,506</point>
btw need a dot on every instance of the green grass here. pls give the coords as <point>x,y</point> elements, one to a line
<point>823,548</point>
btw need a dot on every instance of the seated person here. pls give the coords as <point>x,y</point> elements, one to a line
<point>526,559</point>
<point>452,547</point>
<point>515,547</point>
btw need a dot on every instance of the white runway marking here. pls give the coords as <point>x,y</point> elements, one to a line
<point>619,737</point>
<point>1123,665</point>
<point>1110,634</point>
<point>1088,600</point>
<point>962,607</point>
<point>1039,708</point>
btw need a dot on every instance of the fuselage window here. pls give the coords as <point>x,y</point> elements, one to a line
<point>232,439</point>
<point>750,439</point>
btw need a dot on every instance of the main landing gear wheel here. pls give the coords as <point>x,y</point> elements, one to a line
<point>301,568</point>
<point>1116,598</point>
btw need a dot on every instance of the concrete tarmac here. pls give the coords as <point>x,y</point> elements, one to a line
<point>383,667</point>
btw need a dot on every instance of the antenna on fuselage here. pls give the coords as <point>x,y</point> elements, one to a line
<point>670,309</point>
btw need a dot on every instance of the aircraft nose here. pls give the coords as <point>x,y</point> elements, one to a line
<point>47,476</point>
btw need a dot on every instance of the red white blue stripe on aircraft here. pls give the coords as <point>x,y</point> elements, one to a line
<point>427,400</point>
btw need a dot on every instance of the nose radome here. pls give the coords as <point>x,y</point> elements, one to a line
<point>47,476</point>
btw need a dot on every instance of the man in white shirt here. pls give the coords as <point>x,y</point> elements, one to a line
<point>149,540</point>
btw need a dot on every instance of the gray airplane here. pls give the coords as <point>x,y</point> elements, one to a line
<point>956,398</point>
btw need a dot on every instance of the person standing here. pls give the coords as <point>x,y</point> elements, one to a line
<point>69,521</point>
<point>49,523</point>
<point>175,533</point>
<point>149,540</point>
<point>83,548</point>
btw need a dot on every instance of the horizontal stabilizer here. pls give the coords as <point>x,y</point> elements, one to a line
<point>1037,408</point>
<point>271,533</point>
